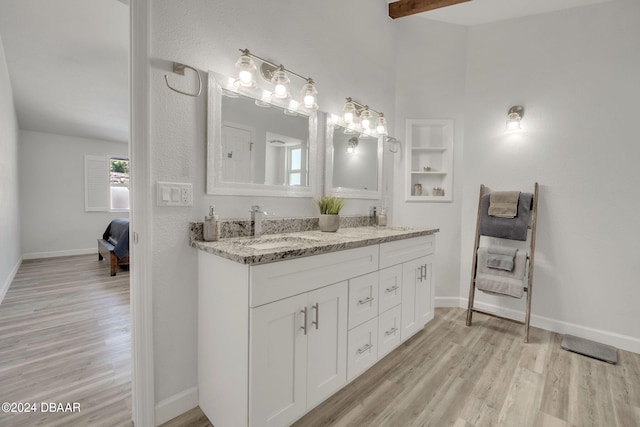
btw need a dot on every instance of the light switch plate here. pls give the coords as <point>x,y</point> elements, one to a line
<point>174,194</point>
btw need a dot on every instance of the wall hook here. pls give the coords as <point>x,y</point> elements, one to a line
<point>179,69</point>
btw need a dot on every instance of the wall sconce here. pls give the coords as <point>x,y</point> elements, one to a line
<point>514,116</point>
<point>277,75</point>
<point>352,145</point>
<point>354,111</point>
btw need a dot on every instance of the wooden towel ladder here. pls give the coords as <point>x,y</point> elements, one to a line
<point>532,244</point>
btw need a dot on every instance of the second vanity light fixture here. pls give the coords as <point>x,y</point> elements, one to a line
<point>277,75</point>
<point>359,117</point>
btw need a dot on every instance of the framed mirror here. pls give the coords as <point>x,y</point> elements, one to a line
<point>257,145</point>
<point>353,163</point>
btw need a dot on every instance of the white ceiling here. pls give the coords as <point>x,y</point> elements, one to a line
<point>68,64</point>
<point>476,12</point>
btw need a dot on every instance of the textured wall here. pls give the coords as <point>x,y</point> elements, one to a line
<point>430,79</point>
<point>9,206</point>
<point>576,72</point>
<point>52,193</point>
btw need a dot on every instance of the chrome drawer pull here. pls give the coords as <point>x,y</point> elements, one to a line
<point>316,307</point>
<point>392,289</point>
<point>364,301</point>
<point>365,348</point>
<point>304,327</point>
<point>391,331</point>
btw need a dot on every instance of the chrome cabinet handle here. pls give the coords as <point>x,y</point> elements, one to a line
<point>304,326</point>
<point>392,289</point>
<point>316,307</point>
<point>365,348</point>
<point>391,331</point>
<point>366,300</point>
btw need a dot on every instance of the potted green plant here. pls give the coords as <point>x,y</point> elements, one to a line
<point>329,213</point>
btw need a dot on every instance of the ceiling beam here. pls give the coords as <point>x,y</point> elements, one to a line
<point>400,8</point>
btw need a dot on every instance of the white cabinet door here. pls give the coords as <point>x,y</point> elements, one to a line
<point>327,342</point>
<point>278,375</point>
<point>363,299</point>
<point>362,348</point>
<point>416,295</point>
<point>390,292</point>
<point>389,330</point>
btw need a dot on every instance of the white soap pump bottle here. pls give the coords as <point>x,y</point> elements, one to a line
<point>211,228</point>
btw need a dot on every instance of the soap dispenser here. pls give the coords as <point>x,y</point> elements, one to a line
<point>382,218</point>
<point>211,229</point>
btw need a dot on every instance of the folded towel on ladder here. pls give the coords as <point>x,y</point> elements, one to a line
<point>501,258</point>
<point>506,228</point>
<point>504,204</point>
<point>502,282</point>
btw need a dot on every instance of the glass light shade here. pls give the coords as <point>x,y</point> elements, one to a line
<point>310,95</point>
<point>513,122</point>
<point>246,71</point>
<point>365,119</point>
<point>381,125</point>
<point>352,145</point>
<point>349,112</point>
<point>281,82</point>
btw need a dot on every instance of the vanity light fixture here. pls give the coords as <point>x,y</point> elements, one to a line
<point>354,111</point>
<point>514,117</point>
<point>246,69</point>
<point>276,74</point>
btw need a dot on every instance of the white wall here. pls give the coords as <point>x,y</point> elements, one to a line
<point>51,169</point>
<point>9,205</point>
<point>346,47</point>
<point>430,77</point>
<point>576,73</point>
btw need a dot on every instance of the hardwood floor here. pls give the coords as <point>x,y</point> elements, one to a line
<point>451,375</point>
<point>65,338</point>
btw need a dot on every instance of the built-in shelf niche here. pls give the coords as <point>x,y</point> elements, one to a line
<point>429,160</point>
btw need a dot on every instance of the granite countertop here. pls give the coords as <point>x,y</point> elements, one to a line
<point>279,247</point>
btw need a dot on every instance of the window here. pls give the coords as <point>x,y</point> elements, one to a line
<point>106,183</point>
<point>294,165</point>
<point>119,183</point>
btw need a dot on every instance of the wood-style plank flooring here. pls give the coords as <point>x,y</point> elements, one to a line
<point>65,338</point>
<point>452,375</point>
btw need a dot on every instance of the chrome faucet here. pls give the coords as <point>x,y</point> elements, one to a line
<point>257,214</point>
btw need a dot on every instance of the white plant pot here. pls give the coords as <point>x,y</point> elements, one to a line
<point>329,222</point>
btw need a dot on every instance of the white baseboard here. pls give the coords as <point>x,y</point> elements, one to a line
<point>5,286</point>
<point>175,405</point>
<point>54,254</point>
<point>623,342</point>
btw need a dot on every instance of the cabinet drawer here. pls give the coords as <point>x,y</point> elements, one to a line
<point>278,280</point>
<point>362,348</point>
<point>390,288</point>
<point>389,330</point>
<point>363,299</point>
<point>397,252</point>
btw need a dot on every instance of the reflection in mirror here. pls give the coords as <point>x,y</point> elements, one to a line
<point>262,145</point>
<point>353,163</point>
<point>258,146</point>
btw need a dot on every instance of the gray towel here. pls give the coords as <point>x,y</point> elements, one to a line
<point>501,258</point>
<point>504,204</point>
<point>502,282</point>
<point>506,228</point>
<point>499,285</point>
